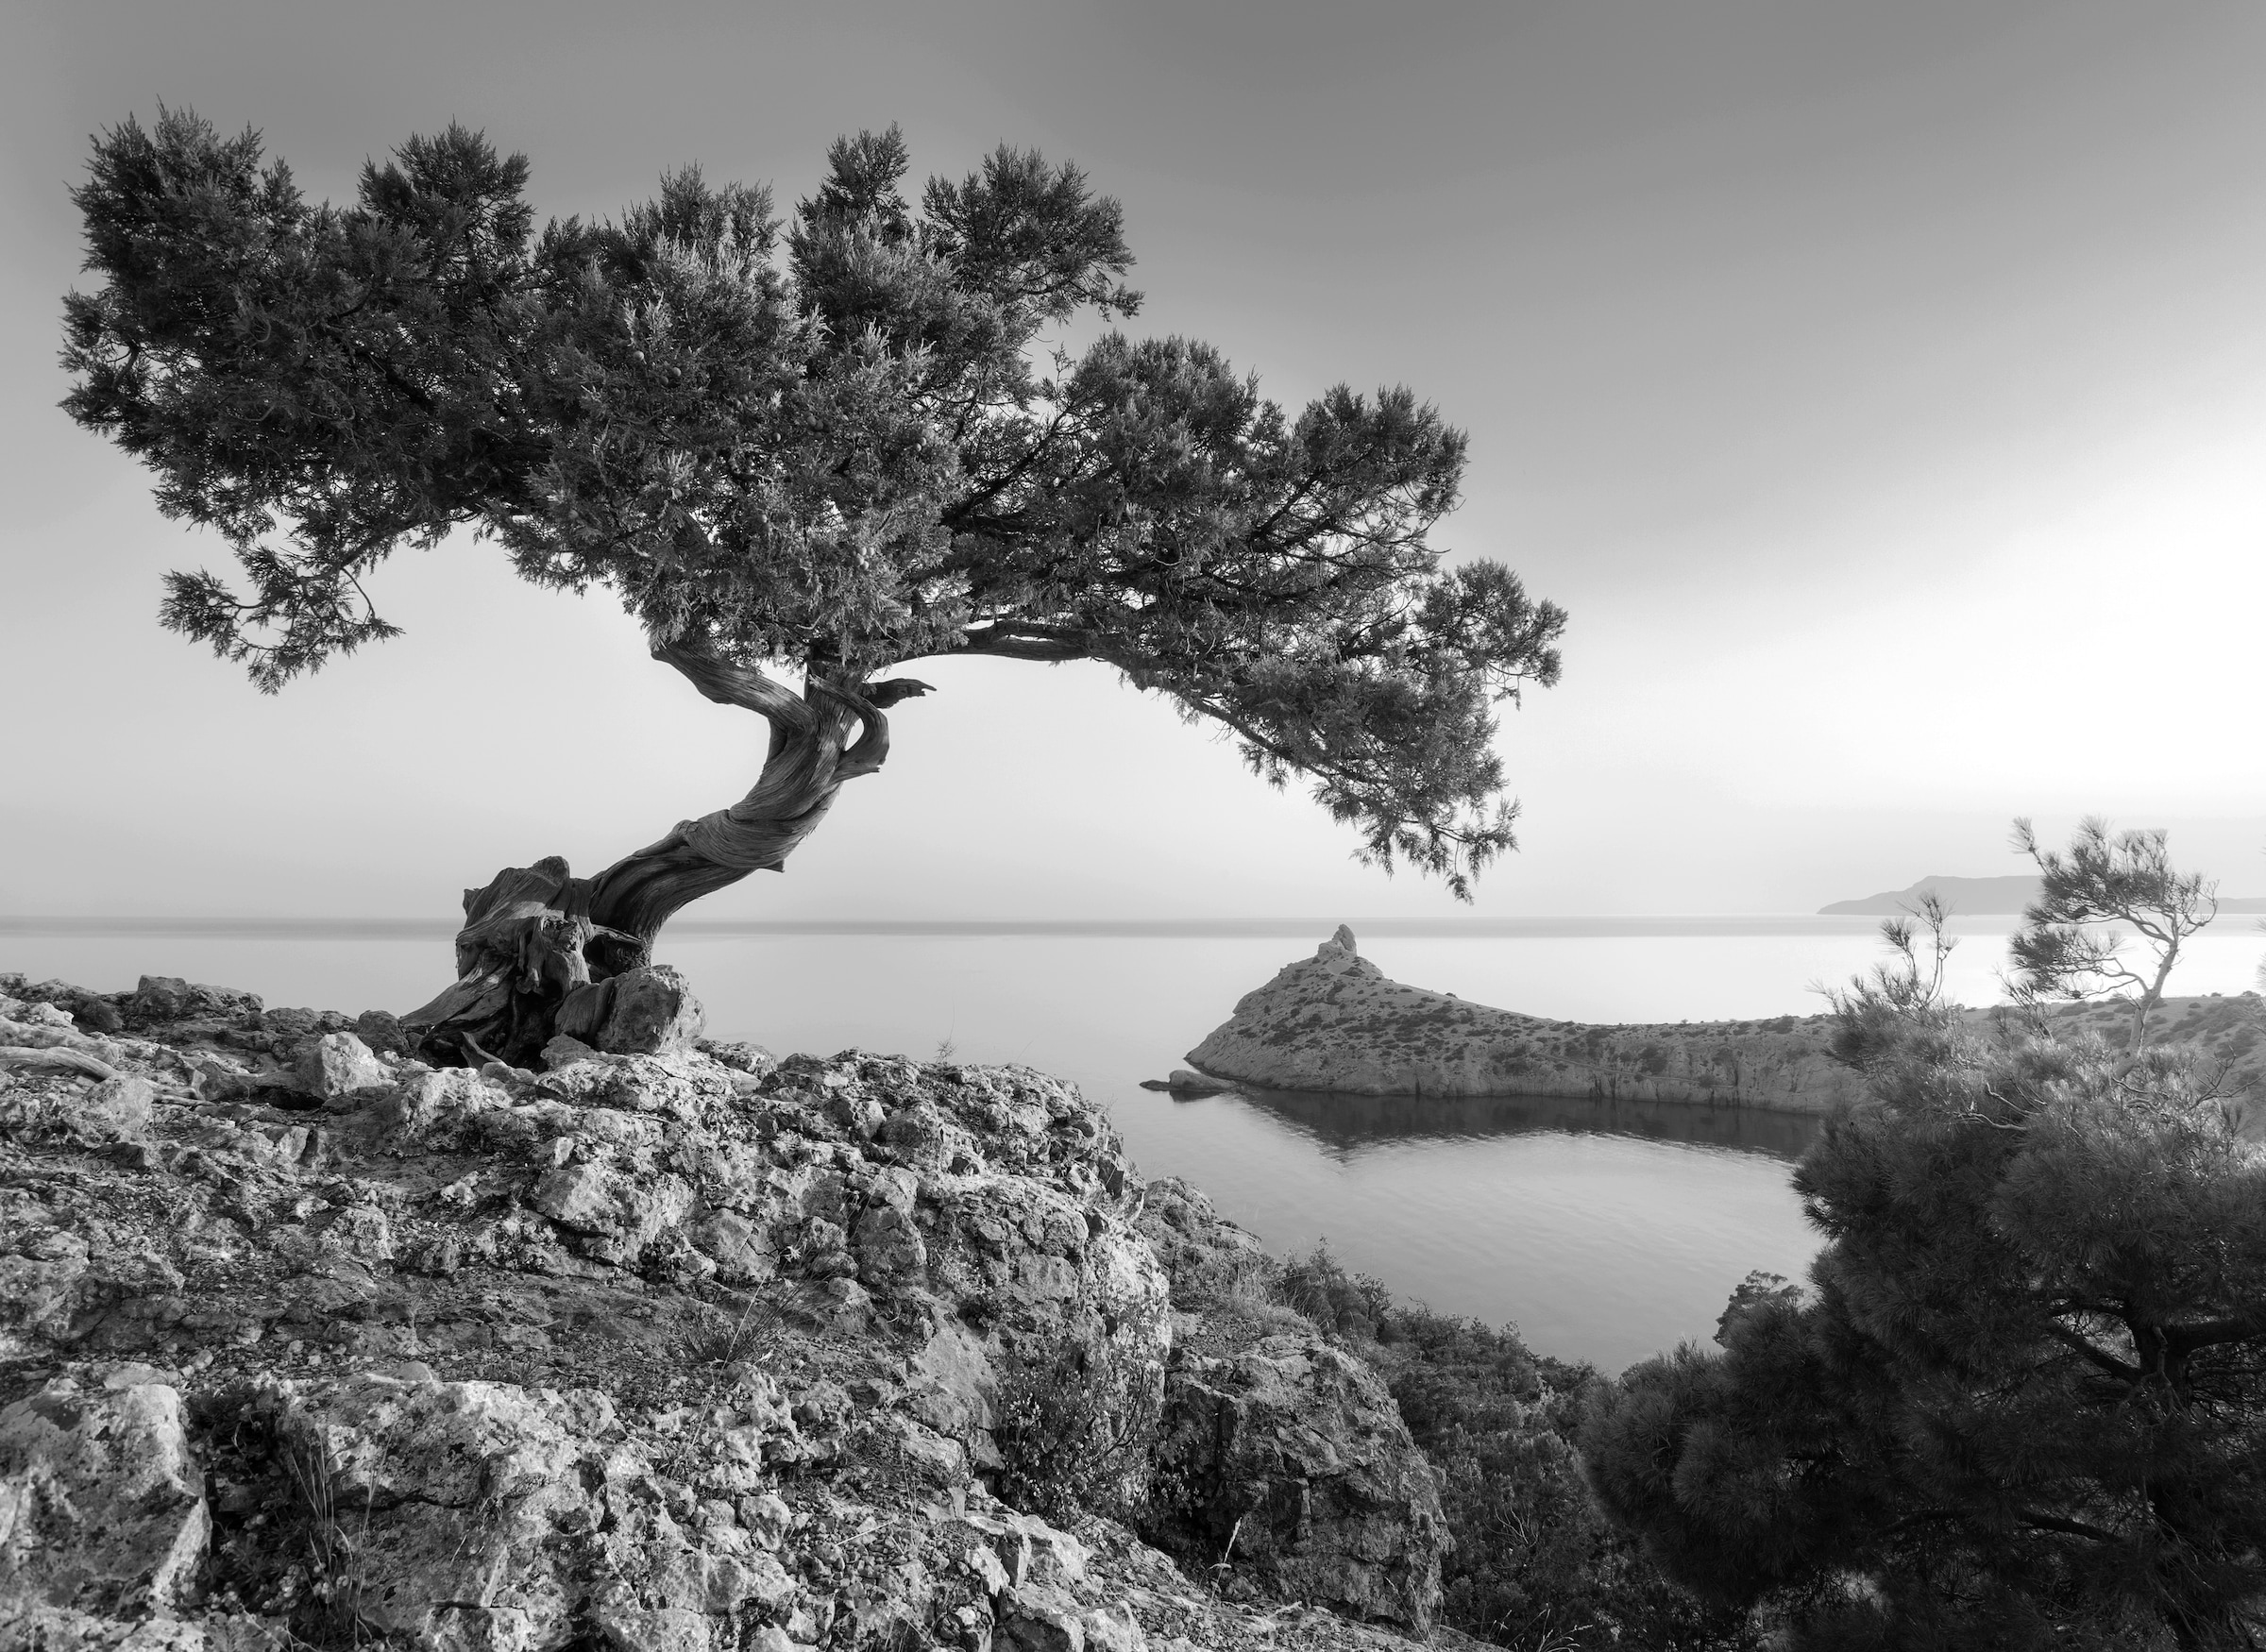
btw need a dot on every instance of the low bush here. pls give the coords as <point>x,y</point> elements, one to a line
<point>1535,1564</point>
<point>1352,1305</point>
<point>1074,1421</point>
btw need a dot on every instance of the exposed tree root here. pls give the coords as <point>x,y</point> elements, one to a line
<point>536,936</point>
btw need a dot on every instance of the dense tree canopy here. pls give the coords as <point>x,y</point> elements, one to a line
<point>2025,1404</point>
<point>823,447</point>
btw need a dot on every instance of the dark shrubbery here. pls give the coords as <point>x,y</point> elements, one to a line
<point>1074,1421</point>
<point>2022,1404</point>
<point>1535,1564</point>
<point>1352,1306</point>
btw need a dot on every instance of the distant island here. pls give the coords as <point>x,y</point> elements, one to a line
<point>1981,898</point>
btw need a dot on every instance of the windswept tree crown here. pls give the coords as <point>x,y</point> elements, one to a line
<point>828,449</point>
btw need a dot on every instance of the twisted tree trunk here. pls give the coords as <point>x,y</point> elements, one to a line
<point>538,942</point>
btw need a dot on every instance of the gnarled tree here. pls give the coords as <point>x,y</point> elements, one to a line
<point>812,455</point>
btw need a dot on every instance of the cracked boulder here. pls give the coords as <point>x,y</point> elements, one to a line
<point>484,1515</point>
<point>1297,1468</point>
<point>102,1507</point>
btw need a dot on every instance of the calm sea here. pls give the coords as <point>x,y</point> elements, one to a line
<point>1604,1232</point>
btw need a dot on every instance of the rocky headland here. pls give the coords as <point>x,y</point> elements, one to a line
<point>1336,1022</point>
<point>667,1347</point>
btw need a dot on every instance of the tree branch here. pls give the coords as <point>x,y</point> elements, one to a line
<point>2101,1356</point>
<point>2246,1327</point>
<point>871,749</point>
<point>1000,643</point>
<point>741,685</point>
<point>2074,1527</point>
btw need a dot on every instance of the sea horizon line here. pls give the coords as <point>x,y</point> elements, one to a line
<point>1536,926</point>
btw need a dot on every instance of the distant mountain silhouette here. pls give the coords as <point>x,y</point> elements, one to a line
<point>1981,898</point>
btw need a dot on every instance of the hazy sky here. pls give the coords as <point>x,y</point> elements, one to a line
<point>1882,388</point>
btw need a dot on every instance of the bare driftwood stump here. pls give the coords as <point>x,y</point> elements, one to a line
<point>536,936</point>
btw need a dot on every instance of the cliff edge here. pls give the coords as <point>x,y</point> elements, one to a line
<point>305,1343</point>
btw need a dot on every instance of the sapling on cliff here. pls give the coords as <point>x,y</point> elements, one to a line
<point>800,455</point>
<point>2063,948</point>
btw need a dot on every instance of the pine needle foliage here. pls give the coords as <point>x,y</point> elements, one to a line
<point>2068,946</point>
<point>827,442</point>
<point>2022,1403</point>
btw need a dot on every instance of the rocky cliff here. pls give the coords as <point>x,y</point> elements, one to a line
<point>1334,1022</point>
<point>659,1349</point>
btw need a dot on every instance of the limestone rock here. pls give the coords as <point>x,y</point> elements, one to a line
<point>427,1103</point>
<point>118,1106</point>
<point>1199,1248</point>
<point>168,998</point>
<point>337,1065</point>
<point>1297,1452</point>
<point>889,1247</point>
<point>562,1051</point>
<point>648,1011</point>
<point>1335,1022</point>
<point>382,1031</point>
<point>102,1505</point>
<point>487,1515</point>
<point>681,1349</point>
<point>38,1278</point>
<point>743,1253</point>
<point>620,1212</point>
<point>751,1059</point>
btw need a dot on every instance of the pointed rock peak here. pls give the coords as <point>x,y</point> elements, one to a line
<point>1340,942</point>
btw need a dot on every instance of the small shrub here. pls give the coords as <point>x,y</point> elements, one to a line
<point>328,1614</point>
<point>1352,1306</point>
<point>1536,1564</point>
<point>1074,1421</point>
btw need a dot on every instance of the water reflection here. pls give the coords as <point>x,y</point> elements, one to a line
<point>1346,1124</point>
<point>1605,1231</point>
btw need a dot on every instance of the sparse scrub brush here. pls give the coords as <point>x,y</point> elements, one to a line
<point>1074,1421</point>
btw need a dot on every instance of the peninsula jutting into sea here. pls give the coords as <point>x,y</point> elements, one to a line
<point>1981,898</point>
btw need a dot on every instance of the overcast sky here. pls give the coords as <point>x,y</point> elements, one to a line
<point>1882,389</point>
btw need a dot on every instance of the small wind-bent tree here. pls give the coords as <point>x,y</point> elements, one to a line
<point>1875,1012</point>
<point>804,455</point>
<point>2060,951</point>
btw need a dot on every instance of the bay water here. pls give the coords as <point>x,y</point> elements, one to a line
<point>1604,1231</point>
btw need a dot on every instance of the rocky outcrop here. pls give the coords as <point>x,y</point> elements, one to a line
<point>1334,1022</point>
<point>1291,1464</point>
<point>646,1011</point>
<point>1181,1082</point>
<point>301,1340</point>
<point>102,1505</point>
<point>1283,1466</point>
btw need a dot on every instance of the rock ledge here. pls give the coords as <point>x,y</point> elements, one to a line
<point>303,1343</point>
